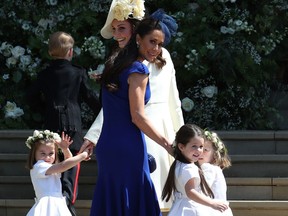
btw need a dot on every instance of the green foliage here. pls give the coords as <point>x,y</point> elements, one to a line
<point>229,55</point>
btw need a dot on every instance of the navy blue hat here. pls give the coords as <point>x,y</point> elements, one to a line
<point>167,23</point>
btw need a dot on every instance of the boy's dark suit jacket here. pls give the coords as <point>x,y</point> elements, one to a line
<point>61,85</point>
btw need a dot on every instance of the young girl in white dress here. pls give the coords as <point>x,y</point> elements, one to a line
<point>45,171</point>
<point>214,159</point>
<point>192,195</point>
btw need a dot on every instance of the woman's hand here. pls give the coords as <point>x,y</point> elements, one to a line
<point>87,146</point>
<point>168,146</point>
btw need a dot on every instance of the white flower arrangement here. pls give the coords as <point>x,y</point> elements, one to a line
<point>94,46</point>
<point>124,9</point>
<point>209,91</point>
<point>45,135</point>
<point>17,51</point>
<point>213,137</point>
<point>187,104</point>
<point>12,111</point>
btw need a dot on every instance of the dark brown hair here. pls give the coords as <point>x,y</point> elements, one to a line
<point>124,57</point>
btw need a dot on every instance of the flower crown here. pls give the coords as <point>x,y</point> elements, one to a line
<point>213,137</point>
<point>125,9</point>
<point>42,135</point>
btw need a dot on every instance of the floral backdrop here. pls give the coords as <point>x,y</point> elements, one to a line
<point>230,56</point>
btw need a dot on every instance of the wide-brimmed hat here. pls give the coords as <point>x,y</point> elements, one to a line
<point>122,10</point>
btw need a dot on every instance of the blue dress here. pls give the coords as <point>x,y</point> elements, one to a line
<point>124,186</point>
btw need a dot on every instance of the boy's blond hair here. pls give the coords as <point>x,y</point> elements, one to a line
<point>59,44</point>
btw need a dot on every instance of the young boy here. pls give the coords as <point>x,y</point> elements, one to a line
<point>62,84</point>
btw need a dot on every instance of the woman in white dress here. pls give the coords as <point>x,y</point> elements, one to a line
<point>164,106</point>
<point>192,195</point>
<point>214,159</point>
<point>45,171</point>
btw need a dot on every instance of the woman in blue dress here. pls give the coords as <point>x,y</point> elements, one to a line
<point>124,186</point>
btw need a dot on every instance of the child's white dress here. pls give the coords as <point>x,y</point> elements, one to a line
<point>182,205</point>
<point>48,191</point>
<point>216,180</point>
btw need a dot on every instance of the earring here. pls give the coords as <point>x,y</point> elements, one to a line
<point>137,44</point>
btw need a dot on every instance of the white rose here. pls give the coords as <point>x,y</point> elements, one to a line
<point>44,23</point>
<point>122,10</point>
<point>11,111</point>
<point>56,137</point>
<point>46,132</point>
<point>11,61</point>
<point>5,76</point>
<point>51,2</point>
<point>18,112</point>
<point>17,51</point>
<point>36,133</point>
<point>187,104</point>
<point>5,49</point>
<point>224,29</point>
<point>25,59</point>
<point>10,106</point>
<point>209,91</point>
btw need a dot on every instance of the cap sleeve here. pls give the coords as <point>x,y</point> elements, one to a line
<point>189,171</point>
<point>40,168</point>
<point>138,67</point>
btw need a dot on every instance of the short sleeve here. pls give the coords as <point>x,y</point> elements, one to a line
<point>210,172</point>
<point>189,171</point>
<point>138,67</point>
<point>40,169</point>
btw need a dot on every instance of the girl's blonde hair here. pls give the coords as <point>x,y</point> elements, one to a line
<point>59,44</point>
<point>221,157</point>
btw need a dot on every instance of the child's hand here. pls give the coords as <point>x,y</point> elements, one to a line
<point>220,205</point>
<point>86,153</point>
<point>88,147</point>
<point>65,141</point>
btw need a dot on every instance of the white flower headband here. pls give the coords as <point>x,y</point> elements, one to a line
<point>125,9</point>
<point>213,137</point>
<point>45,135</point>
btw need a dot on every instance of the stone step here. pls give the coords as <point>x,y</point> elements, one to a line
<point>13,141</point>
<point>20,187</point>
<point>13,207</point>
<point>259,208</point>
<point>242,166</point>
<point>258,166</point>
<point>257,188</point>
<point>255,142</point>
<point>238,142</point>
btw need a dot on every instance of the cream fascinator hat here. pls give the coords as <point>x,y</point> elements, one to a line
<point>122,10</point>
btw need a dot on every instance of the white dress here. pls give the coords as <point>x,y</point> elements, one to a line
<point>164,110</point>
<point>48,191</point>
<point>216,180</point>
<point>182,205</point>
